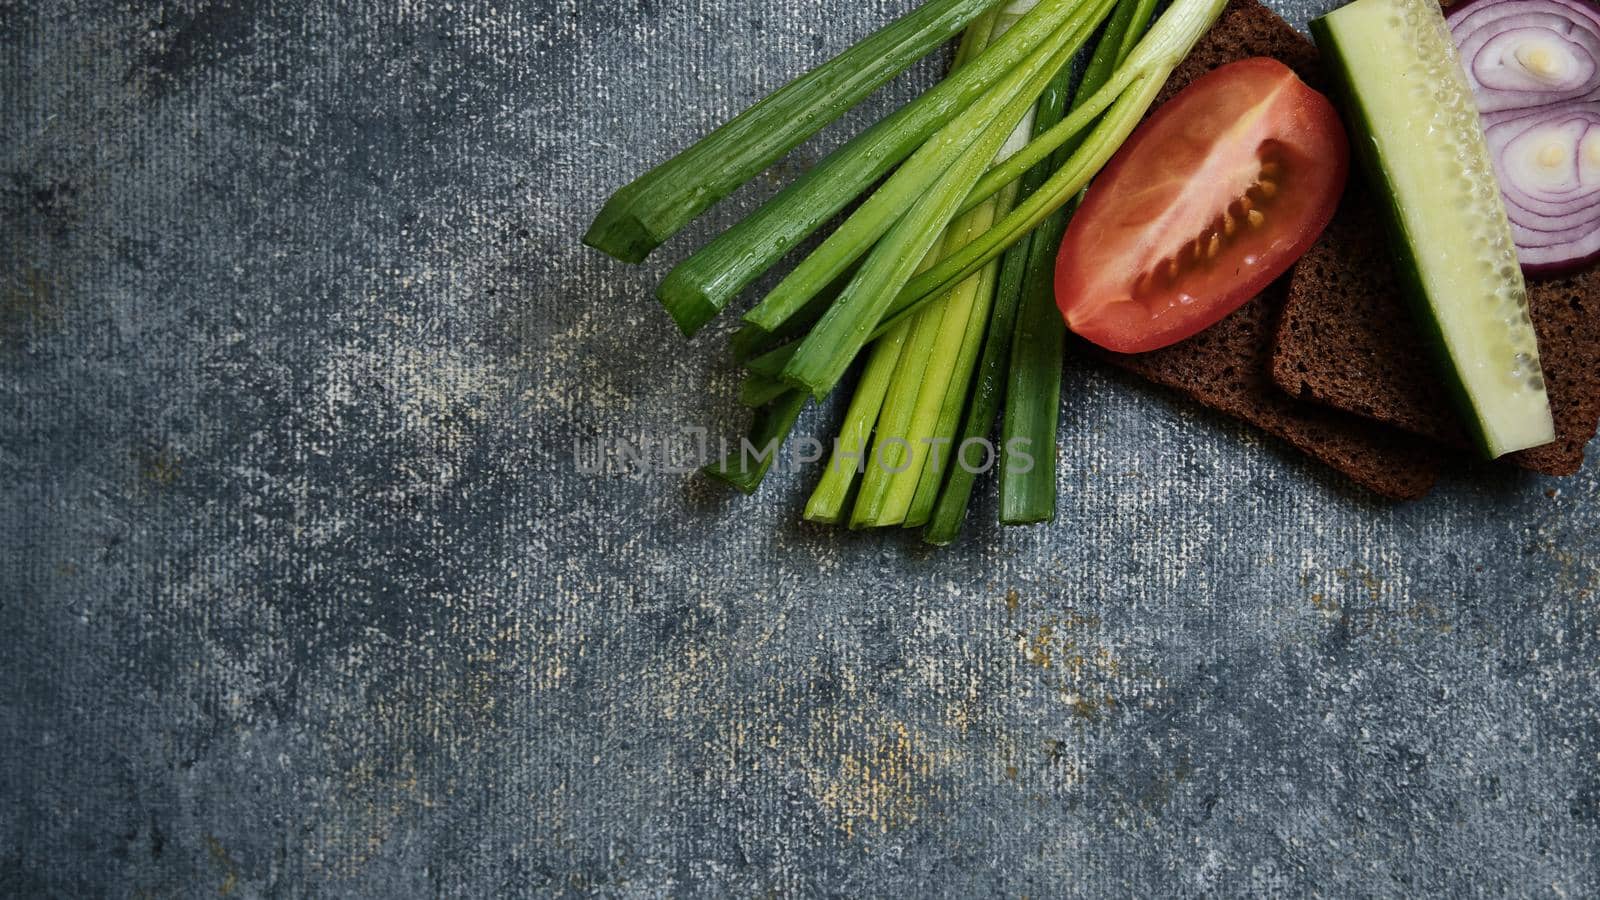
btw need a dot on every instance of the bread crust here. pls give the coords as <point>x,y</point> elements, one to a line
<point>1347,340</point>
<point>1226,367</point>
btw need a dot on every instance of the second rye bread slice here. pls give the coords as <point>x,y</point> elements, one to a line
<point>1347,339</point>
<point>1225,367</point>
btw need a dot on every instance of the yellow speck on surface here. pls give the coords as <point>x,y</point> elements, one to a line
<point>27,301</point>
<point>1037,649</point>
<point>159,468</point>
<point>886,787</point>
<point>230,870</point>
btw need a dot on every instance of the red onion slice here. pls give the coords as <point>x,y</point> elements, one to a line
<point>1548,164</point>
<point>1525,53</point>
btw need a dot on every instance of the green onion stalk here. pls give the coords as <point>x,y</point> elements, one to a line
<point>1033,391</point>
<point>884,362</point>
<point>919,260</point>
<point>836,339</point>
<point>916,426</point>
<point>897,225</point>
<point>643,214</point>
<point>1135,84</point>
<point>702,285</point>
<point>838,336</point>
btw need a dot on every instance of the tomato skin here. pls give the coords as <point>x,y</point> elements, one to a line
<point>1213,197</point>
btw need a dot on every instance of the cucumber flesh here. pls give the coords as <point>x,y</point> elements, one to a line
<point>1418,134</point>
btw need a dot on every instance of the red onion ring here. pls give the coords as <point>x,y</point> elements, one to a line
<point>1525,53</point>
<point>1548,164</point>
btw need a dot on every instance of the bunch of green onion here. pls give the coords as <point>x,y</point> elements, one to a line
<point>940,277</point>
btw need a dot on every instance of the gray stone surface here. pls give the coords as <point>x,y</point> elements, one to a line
<point>304,594</point>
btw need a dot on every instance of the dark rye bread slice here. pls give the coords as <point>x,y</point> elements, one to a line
<point>1347,339</point>
<point>1225,366</point>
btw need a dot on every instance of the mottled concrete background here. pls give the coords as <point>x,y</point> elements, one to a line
<point>304,595</point>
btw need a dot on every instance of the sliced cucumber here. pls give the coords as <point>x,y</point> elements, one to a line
<point>1417,131</point>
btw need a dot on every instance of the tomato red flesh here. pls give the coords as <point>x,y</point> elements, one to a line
<point>1211,198</point>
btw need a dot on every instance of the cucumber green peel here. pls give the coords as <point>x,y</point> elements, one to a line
<point>643,214</point>
<point>1420,140</point>
<point>702,285</point>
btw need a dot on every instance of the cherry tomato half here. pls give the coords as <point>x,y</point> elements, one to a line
<point>1211,198</point>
